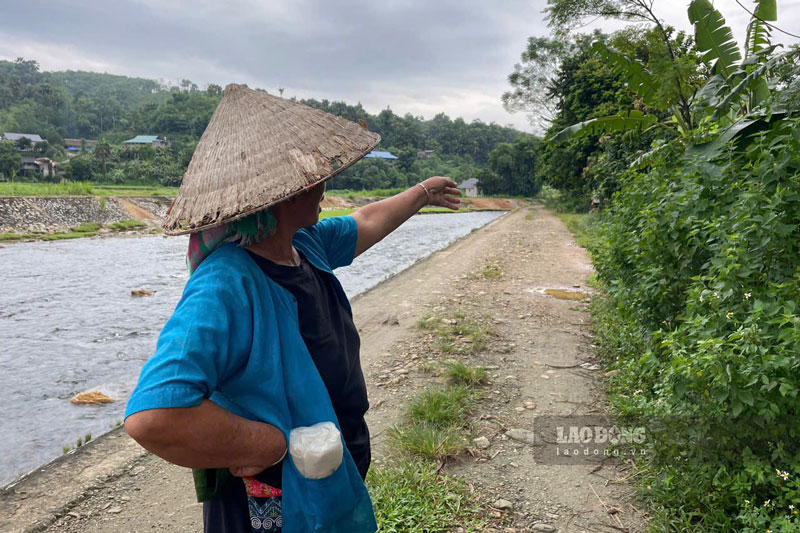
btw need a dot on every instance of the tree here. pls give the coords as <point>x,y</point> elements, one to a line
<point>80,168</point>
<point>41,147</point>
<point>24,144</point>
<point>564,15</point>
<point>102,153</point>
<point>532,77</point>
<point>10,160</point>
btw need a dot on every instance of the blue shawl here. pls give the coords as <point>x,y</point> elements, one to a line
<point>234,338</point>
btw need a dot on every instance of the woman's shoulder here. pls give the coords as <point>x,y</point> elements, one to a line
<point>228,262</point>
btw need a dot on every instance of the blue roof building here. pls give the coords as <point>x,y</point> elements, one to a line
<point>381,155</point>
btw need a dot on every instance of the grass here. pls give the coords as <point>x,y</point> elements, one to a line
<point>87,229</point>
<point>426,441</point>
<point>441,407</point>
<point>412,496</point>
<point>459,334</point>
<point>82,188</point>
<point>126,225</point>
<point>580,225</point>
<point>491,270</point>
<point>379,193</point>
<point>134,190</point>
<point>434,423</point>
<point>326,213</point>
<point>65,188</point>
<point>468,376</point>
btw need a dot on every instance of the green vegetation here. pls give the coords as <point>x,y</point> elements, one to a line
<point>326,213</point>
<point>491,270</point>
<point>112,109</point>
<point>134,190</point>
<point>426,441</point>
<point>127,225</point>
<point>414,496</point>
<point>87,229</point>
<point>580,224</point>
<point>65,188</point>
<point>459,333</point>
<point>462,374</point>
<point>697,251</point>
<point>442,407</point>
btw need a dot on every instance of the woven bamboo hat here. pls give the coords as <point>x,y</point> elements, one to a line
<point>258,150</point>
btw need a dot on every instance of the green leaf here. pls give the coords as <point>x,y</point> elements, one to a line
<point>758,31</point>
<point>639,79</point>
<point>713,37</point>
<point>710,150</point>
<point>632,120</point>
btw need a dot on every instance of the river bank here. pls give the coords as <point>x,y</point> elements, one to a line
<point>499,273</point>
<point>30,218</point>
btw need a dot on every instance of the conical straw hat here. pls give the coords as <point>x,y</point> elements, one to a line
<point>258,150</point>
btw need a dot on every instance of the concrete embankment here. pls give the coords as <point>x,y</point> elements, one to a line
<point>23,214</point>
<point>52,214</point>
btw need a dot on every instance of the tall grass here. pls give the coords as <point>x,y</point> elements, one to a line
<point>65,188</point>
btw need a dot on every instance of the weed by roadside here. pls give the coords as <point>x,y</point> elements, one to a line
<point>491,271</point>
<point>457,334</point>
<point>461,374</point>
<point>412,496</point>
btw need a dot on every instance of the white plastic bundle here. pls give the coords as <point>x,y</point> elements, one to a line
<point>316,450</point>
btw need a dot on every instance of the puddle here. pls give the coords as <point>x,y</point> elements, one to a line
<point>560,294</point>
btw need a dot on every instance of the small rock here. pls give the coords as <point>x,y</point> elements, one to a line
<point>529,405</point>
<point>541,526</point>
<point>551,516</point>
<point>521,435</point>
<point>610,373</point>
<point>510,377</point>
<point>519,408</point>
<point>402,371</point>
<point>503,505</point>
<point>141,292</point>
<point>137,470</point>
<point>481,442</point>
<point>125,498</point>
<point>73,514</point>
<point>114,510</point>
<point>391,320</point>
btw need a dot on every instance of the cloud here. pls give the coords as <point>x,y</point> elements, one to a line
<point>417,57</point>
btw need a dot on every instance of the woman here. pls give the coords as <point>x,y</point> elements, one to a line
<point>263,339</point>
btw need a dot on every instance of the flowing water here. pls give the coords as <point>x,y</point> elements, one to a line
<point>69,324</point>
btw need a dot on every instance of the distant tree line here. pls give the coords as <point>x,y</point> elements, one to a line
<point>111,109</point>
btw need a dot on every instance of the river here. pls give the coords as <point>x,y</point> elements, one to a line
<point>69,324</point>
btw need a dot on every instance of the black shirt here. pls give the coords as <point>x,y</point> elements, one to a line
<point>332,340</point>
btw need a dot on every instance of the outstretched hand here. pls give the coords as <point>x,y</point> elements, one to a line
<point>443,192</point>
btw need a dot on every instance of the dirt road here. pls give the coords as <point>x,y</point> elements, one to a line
<point>541,363</point>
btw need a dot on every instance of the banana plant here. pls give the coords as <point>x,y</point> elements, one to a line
<point>737,88</point>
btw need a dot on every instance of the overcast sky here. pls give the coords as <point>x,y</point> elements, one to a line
<point>421,57</point>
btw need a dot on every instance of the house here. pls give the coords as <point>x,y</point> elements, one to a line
<point>424,154</point>
<point>14,137</point>
<point>45,165</point>
<point>152,140</point>
<point>381,155</point>
<point>74,145</point>
<point>470,187</point>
